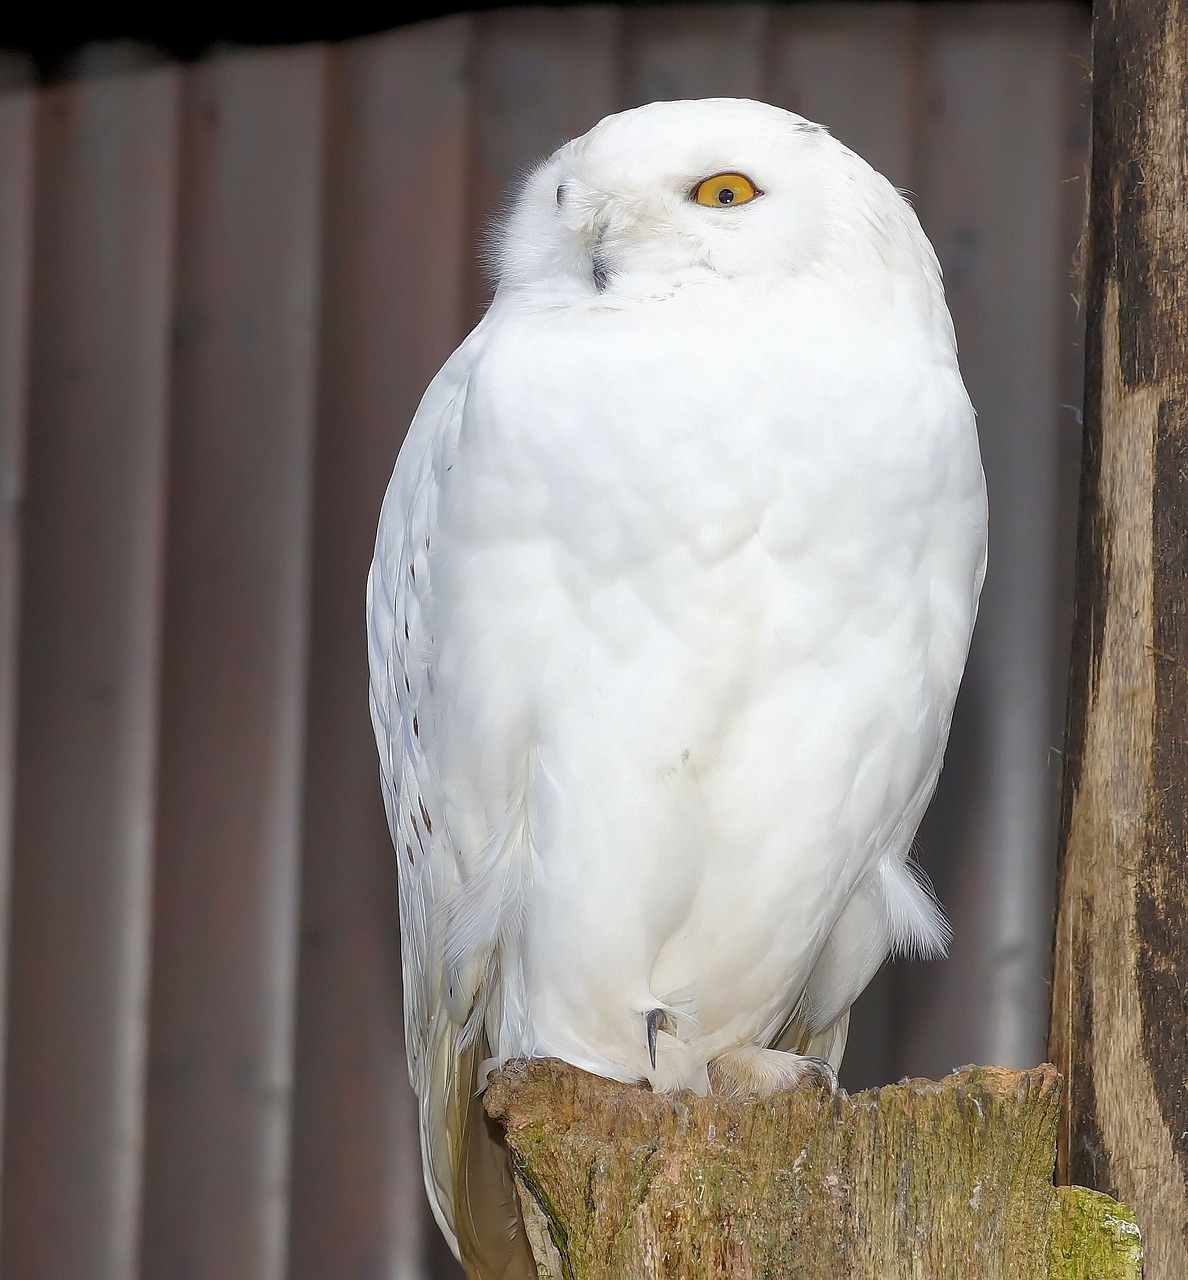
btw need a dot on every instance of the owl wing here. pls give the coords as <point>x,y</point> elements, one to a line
<point>399,644</point>
<point>468,1184</point>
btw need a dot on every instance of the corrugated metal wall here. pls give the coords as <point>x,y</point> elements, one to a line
<point>222,289</point>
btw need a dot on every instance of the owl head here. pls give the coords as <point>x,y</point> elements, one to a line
<point>718,189</point>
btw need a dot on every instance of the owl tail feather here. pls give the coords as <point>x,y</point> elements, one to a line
<point>492,1243</point>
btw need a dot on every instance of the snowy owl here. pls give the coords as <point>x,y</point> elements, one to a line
<point>672,592</point>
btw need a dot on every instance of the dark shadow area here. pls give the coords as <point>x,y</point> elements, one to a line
<point>186,32</point>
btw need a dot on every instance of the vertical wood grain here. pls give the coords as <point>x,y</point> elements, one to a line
<point>393,306</point>
<point>991,156</point>
<point>233,695</point>
<point>95,492</point>
<point>1120,995</point>
<point>16,256</point>
<point>1075,119</point>
<point>540,77</point>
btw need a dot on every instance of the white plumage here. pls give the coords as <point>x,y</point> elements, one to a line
<point>672,593</point>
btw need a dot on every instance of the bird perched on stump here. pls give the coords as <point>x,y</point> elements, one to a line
<point>672,593</point>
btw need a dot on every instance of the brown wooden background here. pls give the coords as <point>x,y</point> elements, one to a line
<point>222,288</point>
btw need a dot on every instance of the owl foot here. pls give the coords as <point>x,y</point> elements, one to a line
<point>751,1072</point>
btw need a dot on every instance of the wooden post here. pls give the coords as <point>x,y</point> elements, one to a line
<point>1120,998</point>
<point>946,1181</point>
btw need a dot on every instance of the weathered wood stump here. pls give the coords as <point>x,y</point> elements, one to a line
<point>922,1180</point>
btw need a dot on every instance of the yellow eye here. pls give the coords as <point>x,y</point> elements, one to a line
<point>725,189</point>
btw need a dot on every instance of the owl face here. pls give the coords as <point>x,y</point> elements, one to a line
<point>680,192</point>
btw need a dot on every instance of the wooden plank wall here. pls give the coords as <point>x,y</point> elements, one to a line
<point>222,289</point>
<point>96,425</point>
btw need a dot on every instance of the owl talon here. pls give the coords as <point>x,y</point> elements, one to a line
<point>657,1020</point>
<point>824,1072</point>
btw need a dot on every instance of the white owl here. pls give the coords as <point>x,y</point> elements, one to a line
<point>672,593</point>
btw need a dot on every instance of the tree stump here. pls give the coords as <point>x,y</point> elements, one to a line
<point>921,1180</point>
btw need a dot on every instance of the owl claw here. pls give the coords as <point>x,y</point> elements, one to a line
<point>824,1072</point>
<point>657,1020</point>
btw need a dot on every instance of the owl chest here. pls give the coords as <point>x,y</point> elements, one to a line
<point>669,445</point>
<point>735,572</point>
<point>747,506</point>
<point>688,513</point>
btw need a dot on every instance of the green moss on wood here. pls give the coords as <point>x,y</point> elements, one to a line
<point>1092,1238</point>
